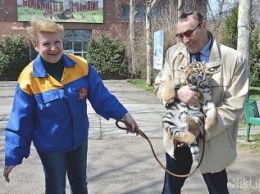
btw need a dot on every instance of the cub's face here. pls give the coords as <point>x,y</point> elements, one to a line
<point>197,75</point>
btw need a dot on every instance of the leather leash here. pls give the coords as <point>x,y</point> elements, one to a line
<point>140,132</point>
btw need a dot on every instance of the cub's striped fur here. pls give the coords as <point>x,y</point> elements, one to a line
<point>181,119</point>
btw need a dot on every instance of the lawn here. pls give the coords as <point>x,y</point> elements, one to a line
<point>253,145</point>
<point>254,92</point>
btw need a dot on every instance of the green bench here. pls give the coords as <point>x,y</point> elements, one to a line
<point>251,115</point>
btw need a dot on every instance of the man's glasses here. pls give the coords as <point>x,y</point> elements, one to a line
<point>188,33</point>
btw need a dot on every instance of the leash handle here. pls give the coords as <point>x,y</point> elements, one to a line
<point>125,124</point>
<point>120,127</point>
<point>140,132</point>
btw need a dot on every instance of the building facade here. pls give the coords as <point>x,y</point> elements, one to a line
<point>77,34</point>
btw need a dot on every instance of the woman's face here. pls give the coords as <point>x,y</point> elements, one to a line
<point>49,46</point>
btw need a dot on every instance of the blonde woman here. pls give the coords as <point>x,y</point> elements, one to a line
<point>50,110</point>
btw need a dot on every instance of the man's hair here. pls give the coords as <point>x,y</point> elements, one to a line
<point>196,15</point>
<point>39,25</point>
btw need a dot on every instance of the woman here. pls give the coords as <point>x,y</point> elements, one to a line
<point>50,109</point>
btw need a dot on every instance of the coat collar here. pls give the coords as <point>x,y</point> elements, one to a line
<point>40,71</point>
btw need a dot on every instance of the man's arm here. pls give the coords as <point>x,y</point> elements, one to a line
<point>232,104</point>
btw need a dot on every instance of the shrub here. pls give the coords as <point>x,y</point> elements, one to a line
<point>14,55</point>
<point>106,54</point>
<point>230,36</point>
<point>255,58</point>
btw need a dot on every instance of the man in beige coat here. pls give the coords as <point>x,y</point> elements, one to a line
<point>230,89</point>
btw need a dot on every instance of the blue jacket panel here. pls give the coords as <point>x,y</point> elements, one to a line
<point>53,114</point>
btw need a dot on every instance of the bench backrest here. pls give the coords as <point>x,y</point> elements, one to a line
<point>251,109</point>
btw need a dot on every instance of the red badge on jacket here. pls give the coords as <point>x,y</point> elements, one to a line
<point>83,93</point>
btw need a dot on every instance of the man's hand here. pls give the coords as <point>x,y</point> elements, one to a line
<point>7,171</point>
<point>130,123</point>
<point>188,96</point>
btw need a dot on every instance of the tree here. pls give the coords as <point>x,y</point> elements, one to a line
<point>244,27</point>
<point>230,34</point>
<point>218,11</point>
<point>255,58</point>
<point>167,24</point>
<point>132,39</point>
<point>150,4</point>
<point>14,56</point>
<point>200,5</point>
<point>106,54</point>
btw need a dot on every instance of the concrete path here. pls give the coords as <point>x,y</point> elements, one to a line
<point>118,163</point>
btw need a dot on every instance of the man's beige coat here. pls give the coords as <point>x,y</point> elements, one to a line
<point>229,88</point>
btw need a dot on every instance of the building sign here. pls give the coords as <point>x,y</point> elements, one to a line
<point>158,50</point>
<point>84,11</point>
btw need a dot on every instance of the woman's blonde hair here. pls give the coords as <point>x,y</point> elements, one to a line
<point>43,25</point>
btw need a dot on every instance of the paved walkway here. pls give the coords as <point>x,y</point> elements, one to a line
<point>118,163</point>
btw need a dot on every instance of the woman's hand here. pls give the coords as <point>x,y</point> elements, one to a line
<point>130,123</point>
<point>7,171</point>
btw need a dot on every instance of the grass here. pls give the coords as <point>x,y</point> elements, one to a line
<point>140,83</point>
<point>242,125</point>
<point>254,92</point>
<point>253,145</point>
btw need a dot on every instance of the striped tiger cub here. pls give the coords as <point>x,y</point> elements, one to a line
<point>181,118</point>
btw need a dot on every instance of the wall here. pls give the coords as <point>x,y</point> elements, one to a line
<point>112,25</point>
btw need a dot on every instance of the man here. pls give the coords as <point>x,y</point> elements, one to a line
<point>230,89</point>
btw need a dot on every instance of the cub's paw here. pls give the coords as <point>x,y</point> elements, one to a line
<point>188,138</point>
<point>210,123</point>
<point>195,153</point>
<point>192,125</point>
<point>169,92</point>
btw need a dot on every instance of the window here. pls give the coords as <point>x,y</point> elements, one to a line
<point>140,13</point>
<point>75,41</point>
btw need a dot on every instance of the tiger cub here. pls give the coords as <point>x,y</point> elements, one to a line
<point>181,118</point>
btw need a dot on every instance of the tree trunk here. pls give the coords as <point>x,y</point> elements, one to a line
<point>148,45</point>
<point>132,40</point>
<point>244,28</point>
<point>199,5</point>
<point>150,4</point>
<point>180,7</point>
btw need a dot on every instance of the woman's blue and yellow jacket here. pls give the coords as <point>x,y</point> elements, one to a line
<point>53,114</point>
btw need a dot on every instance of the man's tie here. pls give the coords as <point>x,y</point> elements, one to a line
<point>197,55</point>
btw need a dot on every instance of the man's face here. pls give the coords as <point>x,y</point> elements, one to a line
<point>49,46</point>
<point>192,34</point>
